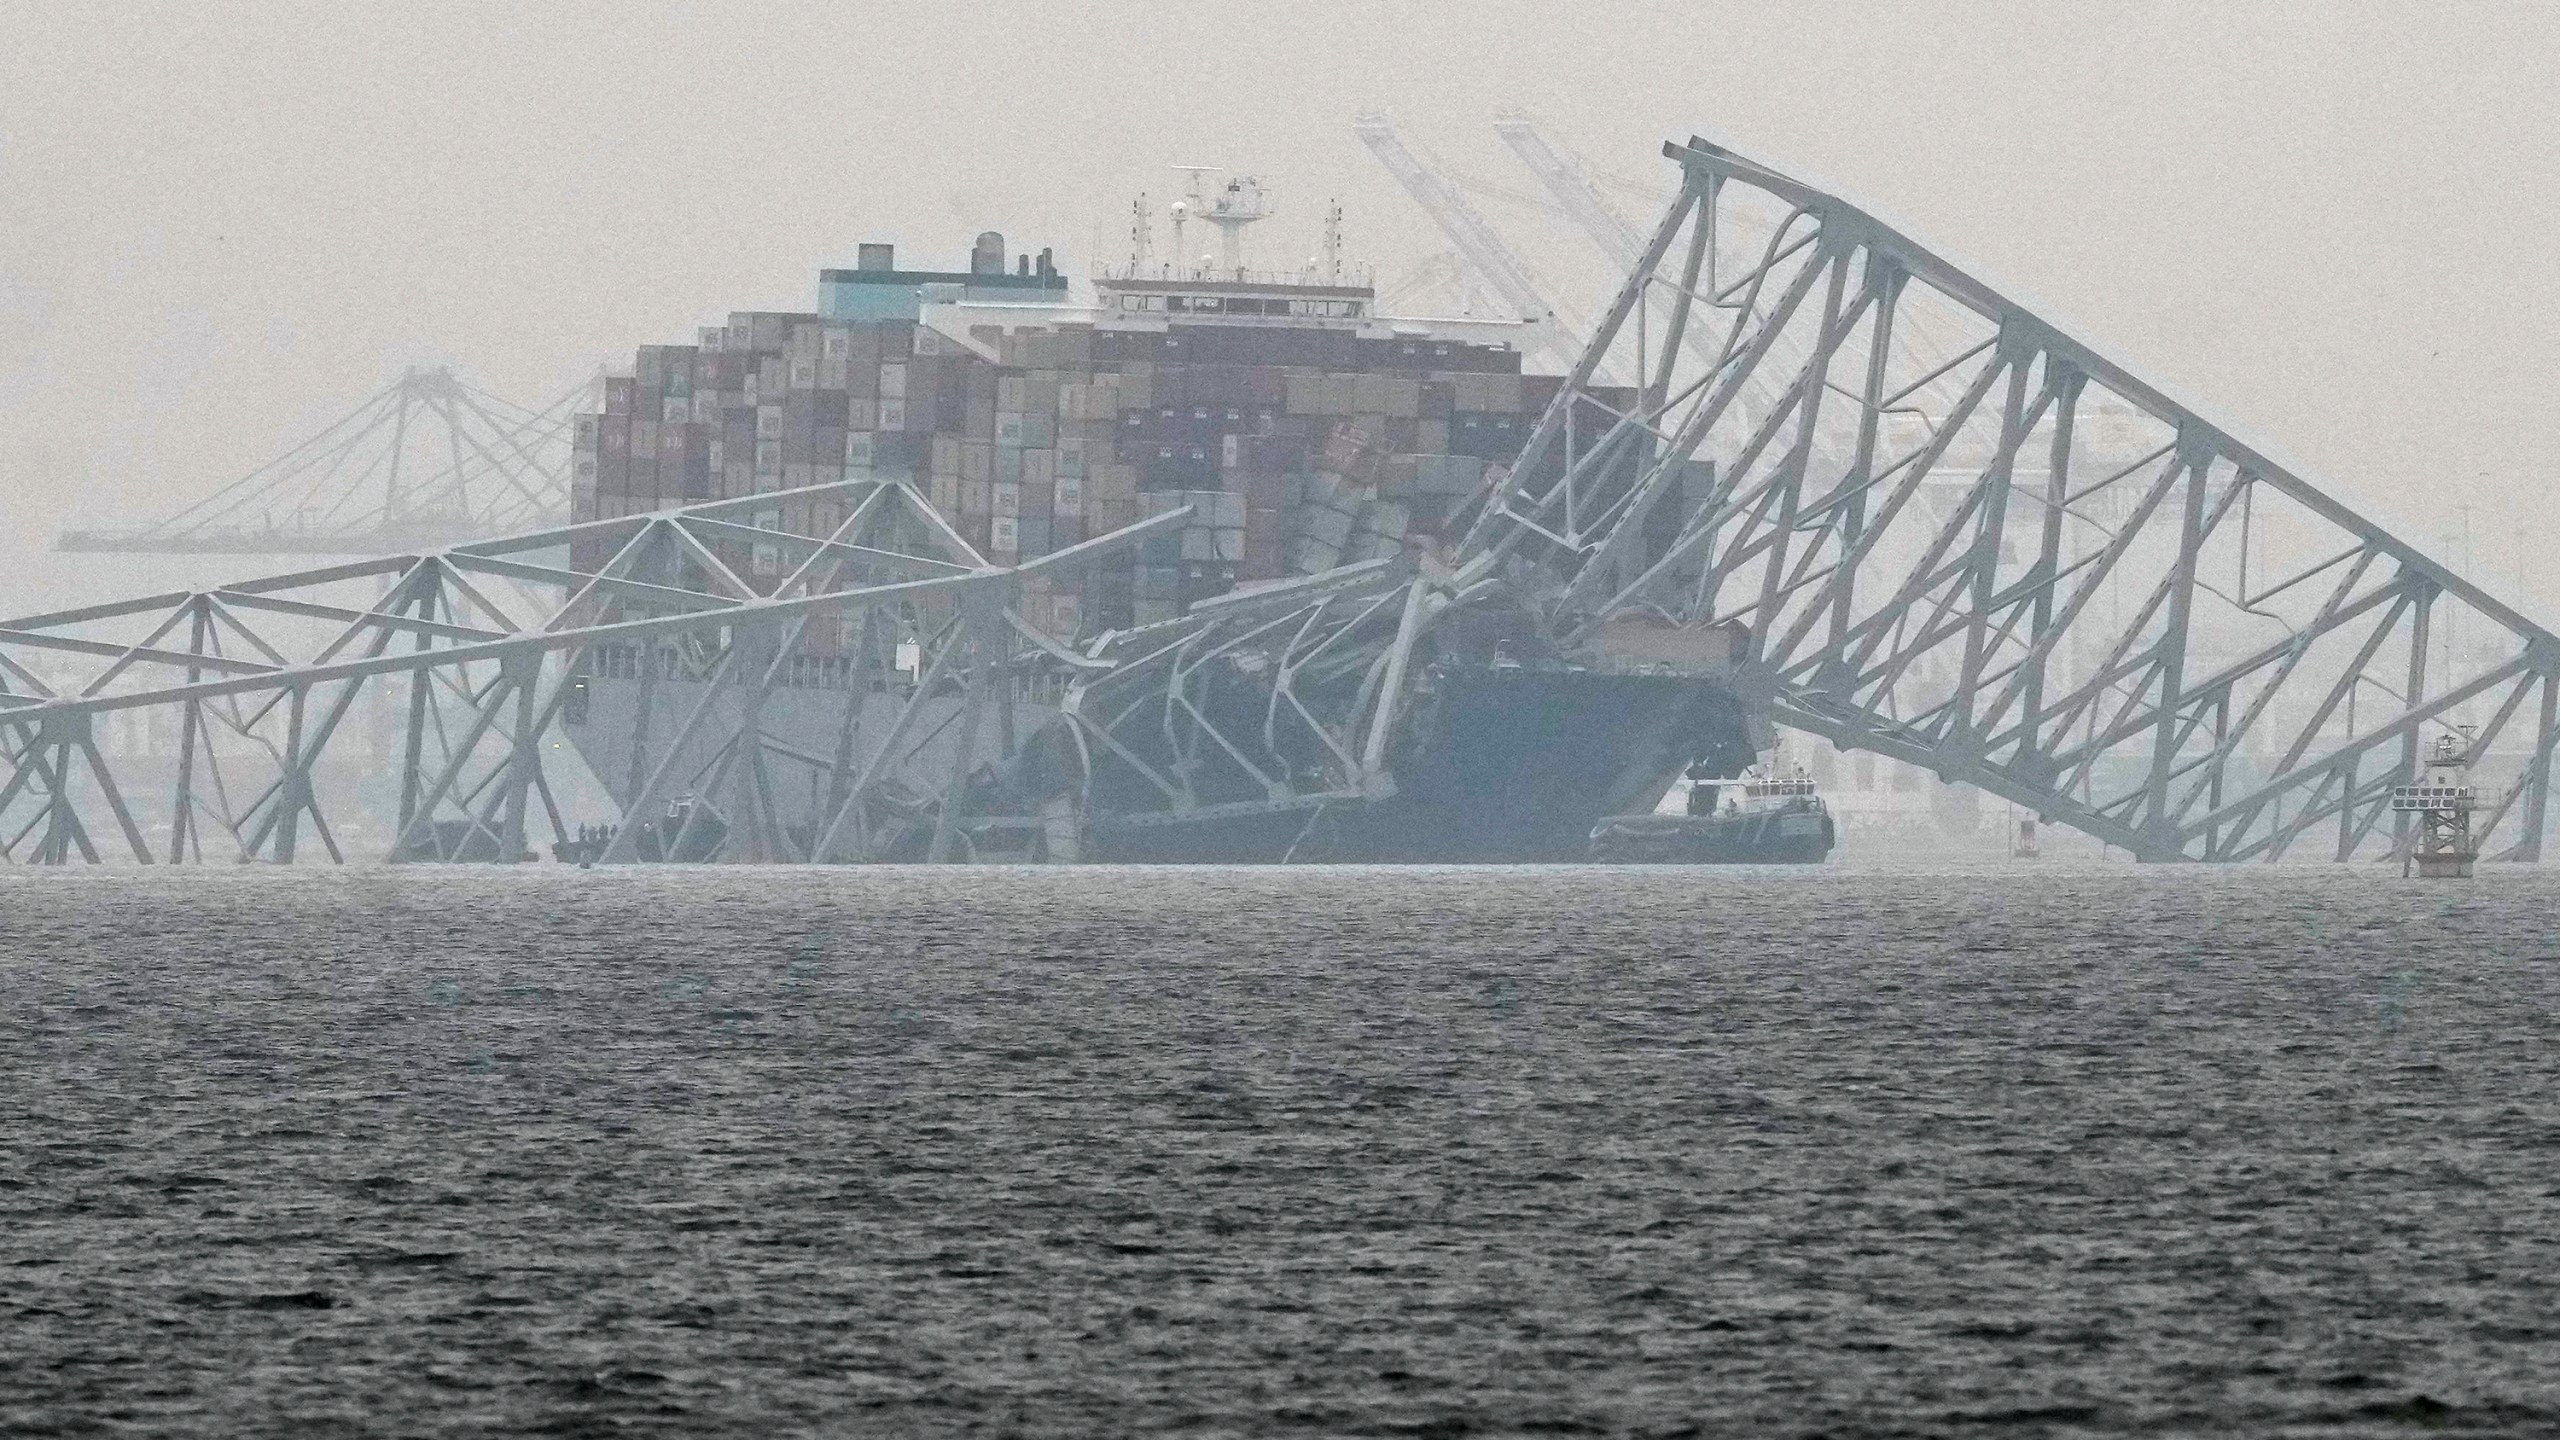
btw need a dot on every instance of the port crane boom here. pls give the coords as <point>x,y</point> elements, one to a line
<point>1470,235</point>
<point>1571,188</point>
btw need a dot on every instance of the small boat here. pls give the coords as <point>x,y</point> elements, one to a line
<point>1759,817</point>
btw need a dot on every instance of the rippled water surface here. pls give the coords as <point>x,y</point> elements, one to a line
<point>1437,1152</point>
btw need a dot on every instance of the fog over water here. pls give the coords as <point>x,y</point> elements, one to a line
<point>2098,1150</point>
<point>2324,224</point>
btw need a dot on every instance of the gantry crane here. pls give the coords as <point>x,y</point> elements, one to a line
<point>429,459</point>
<point>1555,331</point>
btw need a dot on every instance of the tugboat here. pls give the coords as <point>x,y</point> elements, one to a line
<point>1759,817</point>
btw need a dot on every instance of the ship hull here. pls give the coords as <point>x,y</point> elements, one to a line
<point>1494,767</point>
<point>626,727</point>
<point>1490,766</point>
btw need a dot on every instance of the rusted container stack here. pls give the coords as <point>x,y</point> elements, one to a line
<point>1297,448</point>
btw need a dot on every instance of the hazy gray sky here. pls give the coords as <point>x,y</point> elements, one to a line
<point>2330,226</point>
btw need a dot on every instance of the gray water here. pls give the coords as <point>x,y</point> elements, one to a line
<point>1339,1152</point>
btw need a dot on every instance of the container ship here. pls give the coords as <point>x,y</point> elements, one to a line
<point>1305,432</point>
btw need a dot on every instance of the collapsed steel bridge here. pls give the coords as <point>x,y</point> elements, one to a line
<point>473,677</point>
<point>1941,529</point>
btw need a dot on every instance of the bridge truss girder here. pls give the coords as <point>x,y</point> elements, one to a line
<point>2138,626</point>
<point>261,677</point>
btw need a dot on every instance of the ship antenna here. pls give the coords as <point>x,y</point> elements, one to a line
<point>1333,244</point>
<point>1141,241</point>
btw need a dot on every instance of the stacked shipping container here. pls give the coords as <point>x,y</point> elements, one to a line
<point>1298,447</point>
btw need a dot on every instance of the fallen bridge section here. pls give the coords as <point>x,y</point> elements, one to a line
<point>1955,535</point>
<point>426,695</point>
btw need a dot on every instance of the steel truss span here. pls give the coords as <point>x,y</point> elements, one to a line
<point>443,679</point>
<point>1818,468</point>
<point>1956,536</point>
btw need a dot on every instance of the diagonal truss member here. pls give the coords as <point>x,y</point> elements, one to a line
<point>242,696</point>
<point>1964,539</point>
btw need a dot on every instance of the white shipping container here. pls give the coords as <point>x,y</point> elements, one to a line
<point>1004,535</point>
<point>893,414</point>
<point>1070,495</point>
<point>1008,498</point>
<point>893,382</point>
<point>857,450</point>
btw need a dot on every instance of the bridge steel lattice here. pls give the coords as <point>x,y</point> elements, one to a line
<point>256,683</point>
<point>1962,538</point>
<point>1936,527</point>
